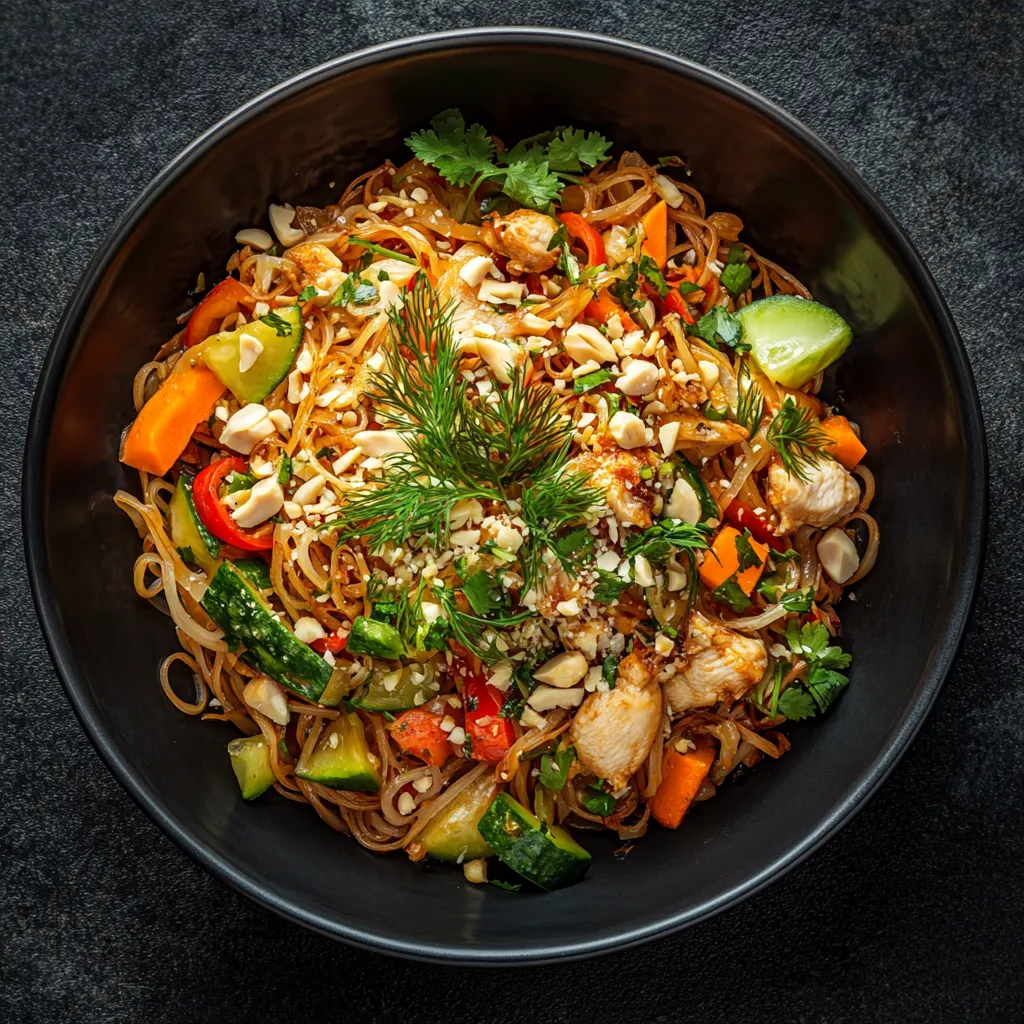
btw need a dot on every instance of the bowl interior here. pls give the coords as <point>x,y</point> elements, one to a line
<point>800,209</point>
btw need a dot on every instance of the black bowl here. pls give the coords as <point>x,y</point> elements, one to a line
<point>905,380</point>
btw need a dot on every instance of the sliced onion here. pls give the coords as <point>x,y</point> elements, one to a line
<point>755,622</point>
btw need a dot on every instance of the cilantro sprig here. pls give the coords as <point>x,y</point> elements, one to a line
<point>823,682</point>
<point>531,173</point>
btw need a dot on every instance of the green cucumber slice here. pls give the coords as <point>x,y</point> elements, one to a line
<point>375,638</point>
<point>221,354</point>
<point>543,854</point>
<point>400,689</point>
<point>792,339</point>
<point>235,604</point>
<point>250,759</point>
<point>341,757</point>
<point>187,531</point>
<point>453,835</point>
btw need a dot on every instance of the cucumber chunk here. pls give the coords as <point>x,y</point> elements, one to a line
<point>221,354</point>
<point>341,757</point>
<point>543,854</point>
<point>250,759</point>
<point>187,531</point>
<point>399,690</point>
<point>792,339</point>
<point>235,604</point>
<point>453,833</point>
<point>375,638</point>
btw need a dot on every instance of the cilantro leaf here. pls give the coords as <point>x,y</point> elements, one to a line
<point>731,593</point>
<point>574,542</point>
<point>531,184</point>
<point>485,594</point>
<point>239,482</point>
<point>688,287</point>
<point>589,381</point>
<point>625,290</point>
<point>720,327</point>
<point>554,769</point>
<point>597,801</point>
<point>573,149</point>
<point>609,587</point>
<point>279,324</point>
<point>797,704</point>
<point>748,557</point>
<point>824,686</point>
<point>799,600</point>
<point>460,154</point>
<point>507,886</point>
<point>610,671</point>
<point>654,276</point>
<point>307,293</point>
<point>736,278</point>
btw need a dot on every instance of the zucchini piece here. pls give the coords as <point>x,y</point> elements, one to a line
<point>250,759</point>
<point>543,854</point>
<point>221,354</point>
<point>792,339</point>
<point>256,571</point>
<point>375,638</point>
<point>341,757</point>
<point>453,834</point>
<point>187,530</point>
<point>237,606</point>
<point>399,690</point>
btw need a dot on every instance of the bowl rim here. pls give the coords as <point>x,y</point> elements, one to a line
<point>55,362</point>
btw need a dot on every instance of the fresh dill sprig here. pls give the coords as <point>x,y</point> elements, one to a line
<point>798,439</point>
<point>749,401</point>
<point>659,541</point>
<point>471,630</point>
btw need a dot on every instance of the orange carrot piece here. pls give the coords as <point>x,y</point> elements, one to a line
<point>165,423</point>
<point>844,445</point>
<point>604,307</point>
<point>655,243</point>
<point>418,732</point>
<point>681,778</point>
<point>723,560</point>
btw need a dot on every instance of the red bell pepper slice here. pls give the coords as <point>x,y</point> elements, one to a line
<point>675,303</point>
<point>418,732</point>
<point>332,642</point>
<point>745,518</point>
<point>223,298</point>
<point>583,231</point>
<point>488,734</point>
<point>214,513</point>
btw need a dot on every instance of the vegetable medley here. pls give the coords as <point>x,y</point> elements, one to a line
<point>496,502</point>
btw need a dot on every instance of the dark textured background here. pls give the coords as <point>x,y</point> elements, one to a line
<point>913,912</point>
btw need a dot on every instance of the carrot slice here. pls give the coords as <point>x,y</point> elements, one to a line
<point>419,733</point>
<point>681,779</point>
<point>165,423</point>
<point>844,445</point>
<point>604,307</point>
<point>723,560</point>
<point>655,243</point>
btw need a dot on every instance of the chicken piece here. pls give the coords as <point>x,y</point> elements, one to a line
<point>524,236</point>
<point>470,313</point>
<point>586,636</point>
<point>614,729</point>
<point>617,473</point>
<point>829,493</point>
<point>718,664</point>
<point>320,267</point>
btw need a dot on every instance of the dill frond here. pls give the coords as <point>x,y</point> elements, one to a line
<point>472,630</point>
<point>749,401</point>
<point>798,439</point>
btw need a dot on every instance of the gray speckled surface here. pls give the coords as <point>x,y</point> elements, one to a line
<point>912,912</point>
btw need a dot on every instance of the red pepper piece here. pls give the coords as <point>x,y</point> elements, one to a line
<point>333,643</point>
<point>223,298</point>
<point>214,513</point>
<point>745,518</point>
<point>583,231</point>
<point>488,734</point>
<point>675,303</point>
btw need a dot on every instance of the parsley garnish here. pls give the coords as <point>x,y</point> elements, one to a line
<point>625,289</point>
<point>485,594</point>
<point>659,541</point>
<point>688,288</point>
<point>307,293</point>
<point>719,327</point>
<point>798,439</point>
<point>731,593</point>
<point>284,472</point>
<point>589,381</point>
<point>824,682</point>
<point>354,289</point>
<point>554,769</point>
<point>609,587</point>
<point>279,324</point>
<point>468,156</point>
<point>736,278</point>
<point>654,276</point>
<point>748,557</point>
<point>239,482</point>
<point>597,801</point>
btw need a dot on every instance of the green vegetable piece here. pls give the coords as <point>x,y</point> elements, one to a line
<point>545,855</point>
<point>341,757</point>
<point>250,761</point>
<point>554,769</point>
<point>597,801</point>
<point>280,339</point>
<point>453,835</point>
<point>399,689</point>
<point>589,381</point>
<point>610,671</point>
<point>187,531</point>
<point>793,339</point>
<point>375,638</point>
<point>485,594</point>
